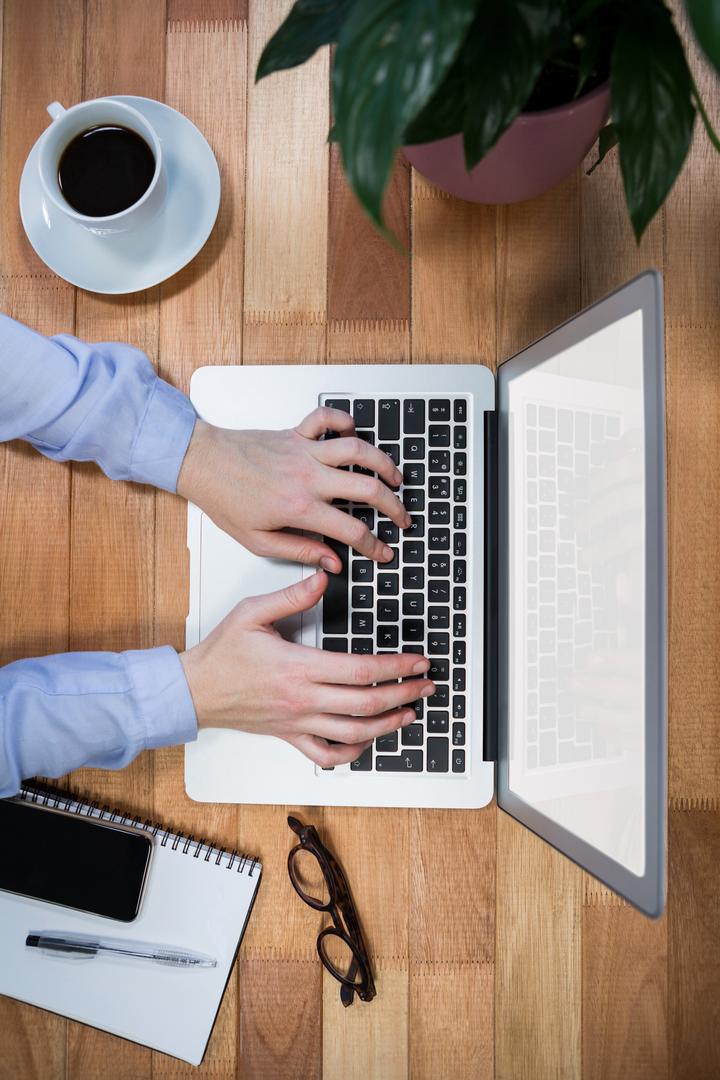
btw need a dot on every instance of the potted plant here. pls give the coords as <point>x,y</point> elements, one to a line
<point>498,100</point>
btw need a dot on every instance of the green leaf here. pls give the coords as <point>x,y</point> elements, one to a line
<point>607,138</point>
<point>310,25</point>
<point>651,106</point>
<point>705,20</point>
<point>391,56</point>
<point>506,50</point>
<point>444,112</point>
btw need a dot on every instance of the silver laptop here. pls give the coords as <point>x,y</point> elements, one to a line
<point>533,576</point>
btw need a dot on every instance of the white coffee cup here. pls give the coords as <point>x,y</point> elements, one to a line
<point>66,124</point>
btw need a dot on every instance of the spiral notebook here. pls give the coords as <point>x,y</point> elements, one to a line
<point>197,895</point>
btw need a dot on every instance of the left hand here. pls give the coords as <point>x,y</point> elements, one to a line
<point>256,484</point>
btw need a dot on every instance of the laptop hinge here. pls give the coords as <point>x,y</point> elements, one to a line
<point>490,658</point>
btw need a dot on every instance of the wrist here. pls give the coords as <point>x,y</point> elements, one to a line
<point>196,462</point>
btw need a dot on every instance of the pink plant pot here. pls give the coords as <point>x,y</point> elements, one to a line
<point>537,151</point>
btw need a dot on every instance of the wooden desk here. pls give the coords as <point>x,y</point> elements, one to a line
<point>495,956</point>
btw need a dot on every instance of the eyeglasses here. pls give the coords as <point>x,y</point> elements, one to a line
<point>341,947</point>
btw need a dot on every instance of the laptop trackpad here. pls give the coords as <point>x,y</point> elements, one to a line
<point>229,573</point>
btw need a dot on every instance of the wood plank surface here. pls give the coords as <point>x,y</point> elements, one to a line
<point>494,956</point>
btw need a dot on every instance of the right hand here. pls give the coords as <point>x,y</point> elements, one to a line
<point>244,675</point>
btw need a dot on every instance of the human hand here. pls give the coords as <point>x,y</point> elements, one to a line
<point>256,484</point>
<point>244,675</point>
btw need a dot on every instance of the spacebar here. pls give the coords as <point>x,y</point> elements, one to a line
<point>335,601</point>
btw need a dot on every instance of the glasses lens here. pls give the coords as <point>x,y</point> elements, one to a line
<point>309,878</point>
<point>340,957</point>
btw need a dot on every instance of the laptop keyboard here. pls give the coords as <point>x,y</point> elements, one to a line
<point>418,602</point>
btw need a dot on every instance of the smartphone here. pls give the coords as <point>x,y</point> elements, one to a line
<point>78,862</point>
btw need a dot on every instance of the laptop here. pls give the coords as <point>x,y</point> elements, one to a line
<point>533,577</point>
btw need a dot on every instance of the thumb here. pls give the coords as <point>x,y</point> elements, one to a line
<point>289,601</point>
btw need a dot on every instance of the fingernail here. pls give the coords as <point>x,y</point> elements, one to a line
<point>313,583</point>
<point>327,564</point>
<point>408,520</point>
<point>422,665</point>
<point>387,553</point>
<point>398,477</point>
<point>408,719</point>
<point>429,689</point>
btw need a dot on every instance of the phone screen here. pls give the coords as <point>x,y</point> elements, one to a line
<point>75,861</point>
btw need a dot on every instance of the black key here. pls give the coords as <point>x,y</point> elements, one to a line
<point>460,544</point>
<point>460,490</point>
<point>362,570</point>
<point>439,410</point>
<point>460,438</point>
<point>460,465</point>
<point>439,487</point>
<point>413,630</point>
<point>392,450</point>
<point>335,644</point>
<point>460,571</point>
<point>413,474</point>
<point>438,618</point>
<point>439,669</point>
<point>412,735</point>
<point>366,515</point>
<point>386,744</point>
<point>387,610</point>
<point>413,551</point>
<point>416,705</point>
<point>439,592</point>
<point>459,599</point>
<point>437,755</point>
<point>364,412</point>
<point>458,734</point>
<point>388,532</point>
<point>407,761</point>
<point>362,471</point>
<point>440,699</point>
<point>413,499</point>
<point>458,626</point>
<point>417,649</point>
<point>438,722</point>
<point>438,644</point>
<point>439,566</point>
<point>460,517</point>
<point>364,762</point>
<point>389,420</point>
<point>362,622</point>
<point>439,461</point>
<point>387,584</point>
<point>460,410</point>
<point>458,707</point>
<point>335,600</point>
<point>367,436</point>
<point>413,603</point>
<point>362,596</point>
<point>459,679</point>
<point>338,403</point>
<point>362,645</point>
<point>458,761</point>
<point>439,513</point>
<point>392,564</point>
<point>413,577</point>
<point>459,652</point>
<point>387,637</point>
<point>439,435</point>
<point>439,539</point>
<point>416,526</point>
<point>413,449</point>
<point>414,416</point>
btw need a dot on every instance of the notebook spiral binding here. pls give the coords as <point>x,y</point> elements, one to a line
<point>63,800</point>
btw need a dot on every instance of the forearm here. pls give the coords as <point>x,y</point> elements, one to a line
<point>58,713</point>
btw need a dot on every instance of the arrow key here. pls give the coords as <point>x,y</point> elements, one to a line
<point>437,755</point>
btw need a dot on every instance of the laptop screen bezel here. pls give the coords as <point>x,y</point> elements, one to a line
<point>647,892</point>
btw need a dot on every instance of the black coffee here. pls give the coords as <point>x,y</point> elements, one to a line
<point>105,170</point>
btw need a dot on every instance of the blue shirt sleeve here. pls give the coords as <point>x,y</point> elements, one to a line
<point>101,402</point>
<point>58,713</point>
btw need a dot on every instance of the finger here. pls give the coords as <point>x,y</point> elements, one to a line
<point>301,596</point>
<point>371,701</point>
<point>323,419</point>
<point>325,755</point>
<point>337,452</point>
<point>369,491</point>
<point>351,531</point>
<point>361,670</point>
<point>350,730</point>
<point>301,549</point>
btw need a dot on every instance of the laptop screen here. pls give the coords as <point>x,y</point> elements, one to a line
<point>582,588</point>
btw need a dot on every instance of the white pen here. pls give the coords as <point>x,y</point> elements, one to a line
<point>59,943</point>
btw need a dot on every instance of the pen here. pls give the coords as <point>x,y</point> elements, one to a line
<point>85,947</point>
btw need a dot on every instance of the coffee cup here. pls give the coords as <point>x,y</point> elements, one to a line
<point>86,118</point>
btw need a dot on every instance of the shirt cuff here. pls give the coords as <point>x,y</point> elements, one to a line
<point>163,700</point>
<point>163,438</point>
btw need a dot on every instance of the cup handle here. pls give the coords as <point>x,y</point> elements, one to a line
<point>56,110</point>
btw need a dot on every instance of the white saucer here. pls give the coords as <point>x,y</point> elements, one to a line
<point>128,262</point>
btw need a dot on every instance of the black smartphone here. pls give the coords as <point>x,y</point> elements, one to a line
<point>66,858</point>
